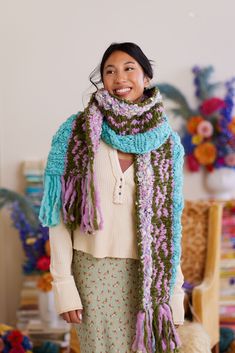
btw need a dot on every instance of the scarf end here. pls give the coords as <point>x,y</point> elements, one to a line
<point>155,331</point>
<point>144,339</point>
<point>49,214</point>
<point>91,216</point>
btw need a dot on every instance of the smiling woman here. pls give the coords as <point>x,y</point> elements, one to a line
<point>113,202</point>
<point>124,77</point>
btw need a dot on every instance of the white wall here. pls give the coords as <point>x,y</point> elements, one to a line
<point>48,49</point>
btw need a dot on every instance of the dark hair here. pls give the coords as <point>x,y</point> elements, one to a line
<point>131,49</point>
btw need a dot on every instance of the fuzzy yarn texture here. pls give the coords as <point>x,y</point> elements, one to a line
<point>71,188</point>
<point>194,339</point>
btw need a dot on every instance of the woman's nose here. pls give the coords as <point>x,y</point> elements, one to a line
<point>120,77</point>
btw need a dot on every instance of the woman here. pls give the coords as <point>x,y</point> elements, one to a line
<point>114,173</point>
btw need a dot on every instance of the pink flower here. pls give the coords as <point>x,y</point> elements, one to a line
<point>220,162</point>
<point>212,105</point>
<point>43,263</point>
<point>192,163</point>
<point>205,129</point>
<point>230,160</point>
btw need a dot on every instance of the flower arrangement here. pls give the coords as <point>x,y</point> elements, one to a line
<point>14,341</point>
<point>34,237</point>
<point>208,134</point>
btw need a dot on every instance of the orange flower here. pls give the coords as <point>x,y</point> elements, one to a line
<point>192,124</point>
<point>47,248</point>
<point>231,126</point>
<point>44,282</point>
<point>205,153</point>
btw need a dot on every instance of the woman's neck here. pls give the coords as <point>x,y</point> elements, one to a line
<point>126,156</point>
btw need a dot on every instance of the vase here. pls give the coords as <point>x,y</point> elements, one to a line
<point>221,183</point>
<point>46,306</point>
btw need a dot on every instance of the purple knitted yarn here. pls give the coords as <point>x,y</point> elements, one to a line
<point>149,328</point>
<point>68,194</point>
<point>165,315</point>
<point>138,344</point>
<point>90,206</point>
<point>144,327</point>
<point>145,180</point>
<point>85,212</point>
<point>170,319</point>
<point>162,239</point>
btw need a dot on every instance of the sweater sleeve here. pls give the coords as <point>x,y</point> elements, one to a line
<point>65,291</point>
<point>177,299</point>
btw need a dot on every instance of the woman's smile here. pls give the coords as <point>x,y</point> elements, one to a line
<point>122,92</point>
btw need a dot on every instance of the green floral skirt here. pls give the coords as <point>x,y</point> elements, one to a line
<point>109,292</point>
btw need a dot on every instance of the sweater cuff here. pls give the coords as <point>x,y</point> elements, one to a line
<point>177,305</point>
<point>66,295</point>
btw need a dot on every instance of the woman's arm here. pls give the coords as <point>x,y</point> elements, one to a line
<point>67,298</point>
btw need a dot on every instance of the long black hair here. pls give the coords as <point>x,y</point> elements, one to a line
<point>131,49</point>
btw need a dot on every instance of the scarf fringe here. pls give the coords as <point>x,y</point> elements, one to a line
<point>91,216</point>
<point>155,332</point>
<point>70,193</point>
<point>51,203</point>
<point>144,339</point>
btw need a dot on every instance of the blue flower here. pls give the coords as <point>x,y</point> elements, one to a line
<point>33,239</point>
<point>187,143</point>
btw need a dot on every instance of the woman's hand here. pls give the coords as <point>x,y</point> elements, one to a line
<point>73,316</point>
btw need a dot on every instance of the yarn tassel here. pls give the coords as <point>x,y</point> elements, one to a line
<point>144,341</point>
<point>155,332</point>
<point>69,195</point>
<point>85,220</point>
<point>166,336</point>
<point>49,214</point>
<point>90,207</point>
<point>138,345</point>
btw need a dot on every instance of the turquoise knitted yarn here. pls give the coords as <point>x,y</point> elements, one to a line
<point>178,204</point>
<point>51,203</point>
<point>140,143</point>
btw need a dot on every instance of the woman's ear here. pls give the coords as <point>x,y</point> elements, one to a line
<point>146,81</point>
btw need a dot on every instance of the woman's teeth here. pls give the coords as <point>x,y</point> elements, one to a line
<point>122,90</point>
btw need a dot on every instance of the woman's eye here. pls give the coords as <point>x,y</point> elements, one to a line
<point>109,72</point>
<point>129,68</point>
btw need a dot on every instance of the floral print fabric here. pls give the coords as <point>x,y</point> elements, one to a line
<point>109,292</point>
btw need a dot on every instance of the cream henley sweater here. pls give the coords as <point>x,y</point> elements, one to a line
<point>117,239</point>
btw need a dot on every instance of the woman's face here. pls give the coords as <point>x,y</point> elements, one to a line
<point>124,77</point>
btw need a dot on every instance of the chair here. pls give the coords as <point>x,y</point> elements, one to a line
<point>201,222</point>
<point>74,341</point>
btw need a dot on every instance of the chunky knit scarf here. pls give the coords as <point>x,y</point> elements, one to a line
<point>70,186</point>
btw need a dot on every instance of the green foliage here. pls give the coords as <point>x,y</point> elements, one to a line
<point>8,197</point>
<point>170,92</point>
<point>206,89</point>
